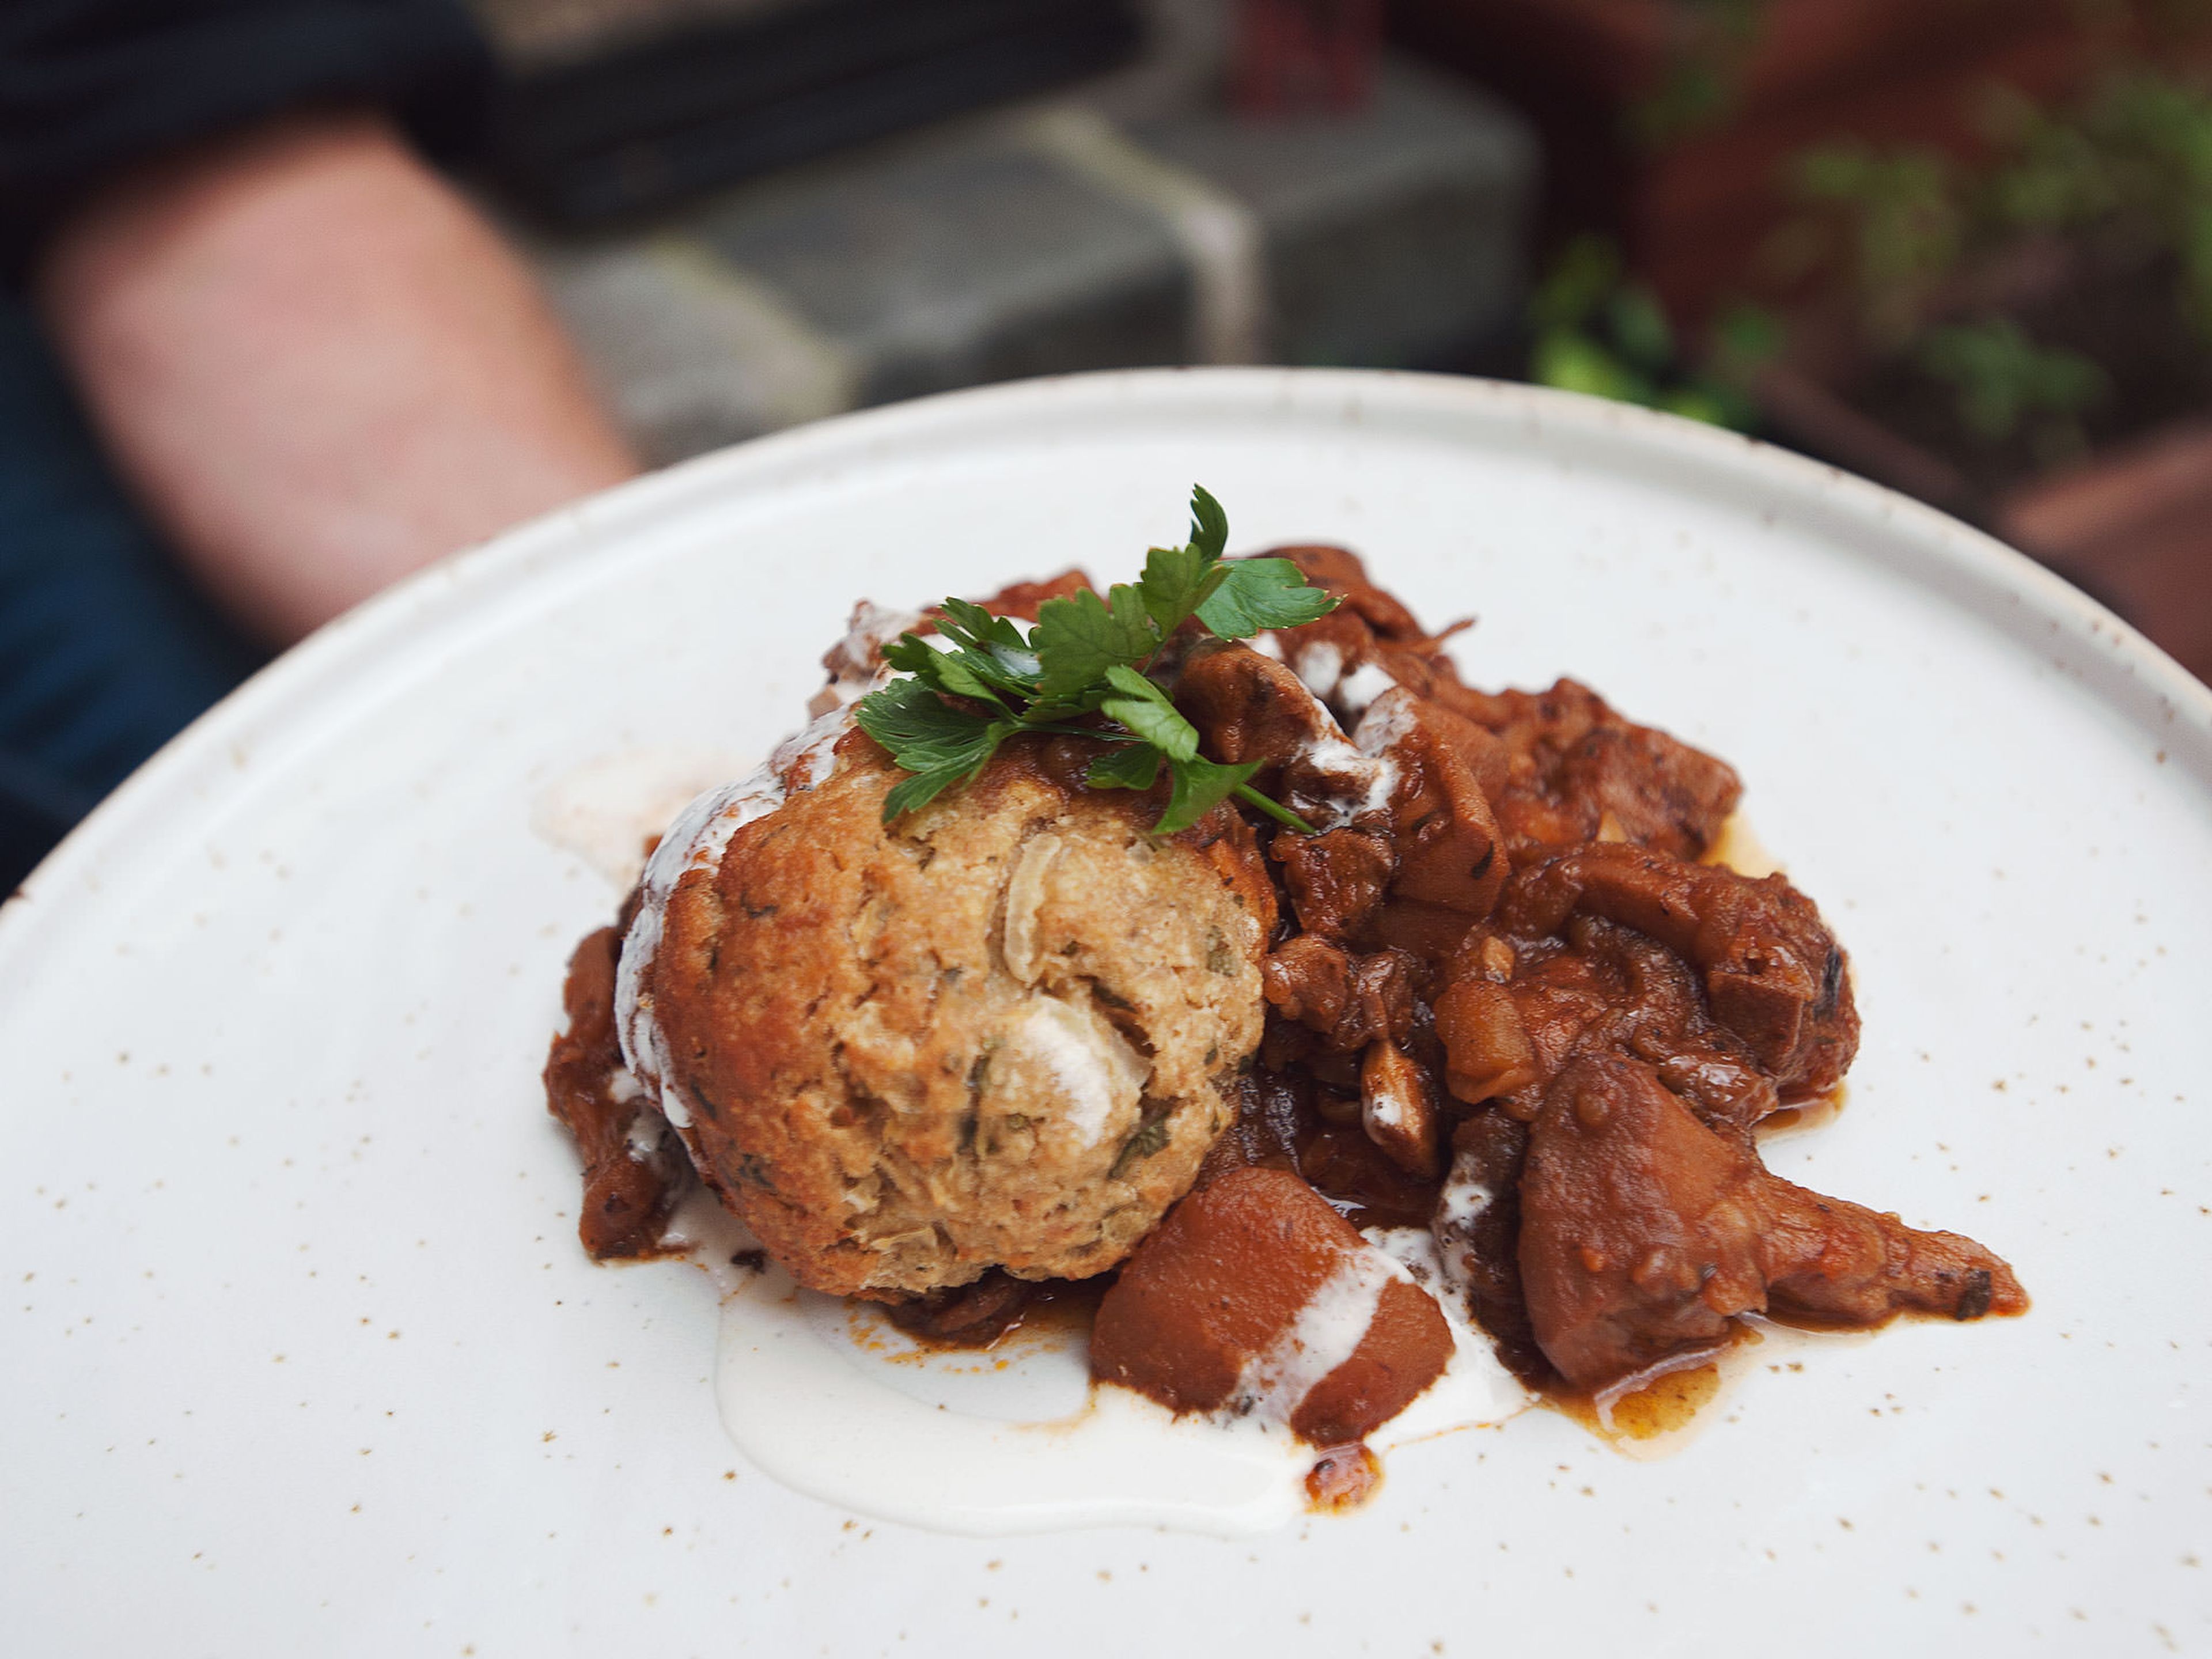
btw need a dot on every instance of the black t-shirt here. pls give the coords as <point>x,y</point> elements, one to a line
<point>88,87</point>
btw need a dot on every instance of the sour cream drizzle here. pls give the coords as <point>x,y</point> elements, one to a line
<point>1358,775</point>
<point>696,841</point>
<point>1097,1073</point>
<point>1388,1107</point>
<point>1326,1332</point>
<point>1321,665</point>
<point>1459,1206</point>
<point>834,1402</point>
<point>1361,687</point>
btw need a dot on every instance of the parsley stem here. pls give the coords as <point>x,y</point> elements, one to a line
<point>1102,733</point>
<point>1274,809</point>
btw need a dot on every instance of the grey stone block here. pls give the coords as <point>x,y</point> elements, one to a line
<point>1394,238</point>
<point>1059,239</point>
<point>973,262</point>
<point>690,352</point>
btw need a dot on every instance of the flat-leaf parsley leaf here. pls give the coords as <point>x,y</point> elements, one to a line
<point>1084,670</point>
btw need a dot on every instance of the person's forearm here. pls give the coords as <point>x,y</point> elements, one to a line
<point>317,366</point>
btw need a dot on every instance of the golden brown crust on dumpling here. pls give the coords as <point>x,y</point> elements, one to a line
<point>996,1033</point>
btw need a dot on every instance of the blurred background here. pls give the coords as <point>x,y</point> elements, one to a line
<point>1961,246</point>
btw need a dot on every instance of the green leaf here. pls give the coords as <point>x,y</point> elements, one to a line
<point>913,653</point>
<point>971,674</point>
<point>1697,403</point>
<point>2000,376</point>
<point>1019,662</point>
<point>1262,594</point>
<point>1134,766</point>
<point>1640,328</point>
<point>959,672</point>
<point>1587,270</point>
<point>1079,638</point>
<point>923,731</point>
<point>940,744</point>
<point>910,712</point>
<point>913,793</point>
<point>1575,362</point>
<point>992,649</point>
<point>1209,525</point>
<point>1145,710</point>
<point>1176,580</point>
<point>1199,786</point>
<point>973,626</point>
<point>1149,1137</point>
<point>1748,336</point>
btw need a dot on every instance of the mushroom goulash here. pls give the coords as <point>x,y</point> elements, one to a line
<point>1164,939</point>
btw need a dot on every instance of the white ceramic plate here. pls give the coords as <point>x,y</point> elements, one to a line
<point>301,1355</point>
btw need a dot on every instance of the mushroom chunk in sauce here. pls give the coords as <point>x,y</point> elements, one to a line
<point>1643,1231</point>
<point>1503,999</point>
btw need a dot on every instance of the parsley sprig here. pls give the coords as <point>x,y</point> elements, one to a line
<point>1084,669</point>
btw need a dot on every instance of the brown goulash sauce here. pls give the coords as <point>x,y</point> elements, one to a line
<point>1507,1001</point>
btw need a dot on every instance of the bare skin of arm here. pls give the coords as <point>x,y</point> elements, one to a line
<point>317,366</point>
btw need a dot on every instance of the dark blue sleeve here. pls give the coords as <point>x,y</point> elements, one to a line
<point>87,87</point>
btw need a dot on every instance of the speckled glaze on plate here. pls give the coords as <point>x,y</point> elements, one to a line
<point>301,1354</point>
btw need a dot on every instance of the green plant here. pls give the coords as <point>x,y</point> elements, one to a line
<point>2125,174</point>
<point>2131,166</point>
<point>2002,380</point>
<point>1711,41</point>
<point>1598,332</point>
<point>1903,223</point>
